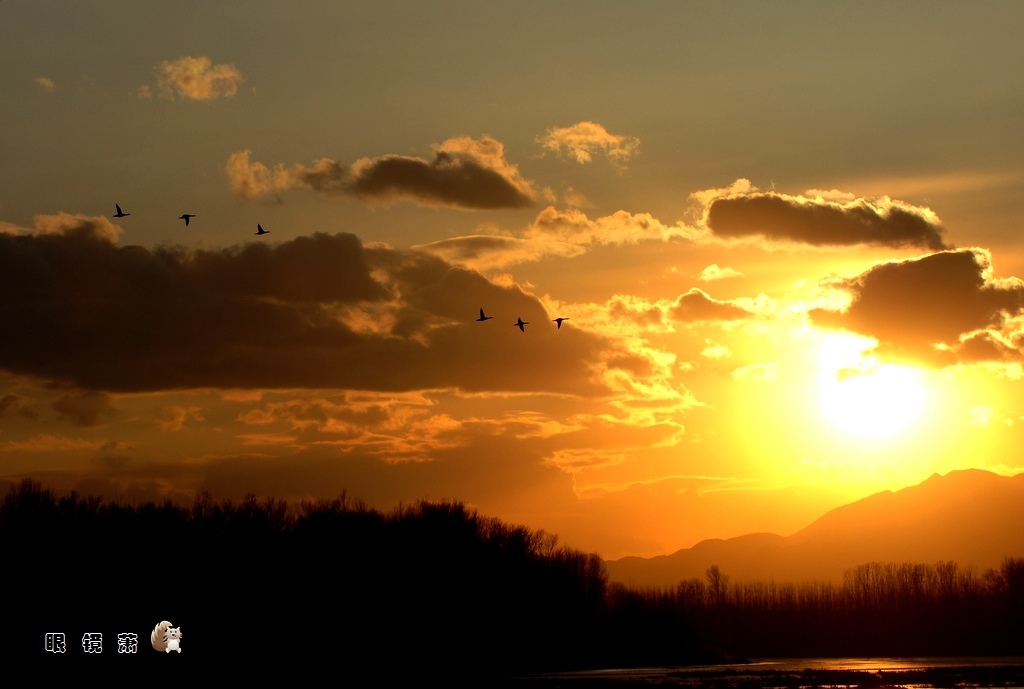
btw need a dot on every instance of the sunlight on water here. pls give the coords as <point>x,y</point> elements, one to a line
<point>1004,672</point>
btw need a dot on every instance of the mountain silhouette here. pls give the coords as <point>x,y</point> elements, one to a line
<point>972,517</point>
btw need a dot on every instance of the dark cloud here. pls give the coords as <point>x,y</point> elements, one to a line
<point>315,268</point>
<point>175,418</point>
<point>85,409</point>
<point>635,310</point>
<point>929,307</point>
<point>112,456</point>
<point>697,305</point>
<point>15,404</point>
<point>317,312</point>
<point>445,181</point>
<point>986,346</point>
<point>824,223</point>
<point>464,173</point>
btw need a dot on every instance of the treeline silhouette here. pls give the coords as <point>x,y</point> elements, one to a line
<point>434,587</point>
<point>879,609</point>
<point>429,587</point>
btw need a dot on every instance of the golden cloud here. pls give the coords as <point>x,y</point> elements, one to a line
<point>465,173</point>
<point>714,272</point>
<point>581,141</point>
<point>553,233</point>
<point>196,78</point>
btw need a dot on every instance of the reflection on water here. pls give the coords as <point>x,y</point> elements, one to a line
<point>1005,672</point>
<point>867,664</point>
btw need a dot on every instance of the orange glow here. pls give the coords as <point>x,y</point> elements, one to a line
<point>744,308</point>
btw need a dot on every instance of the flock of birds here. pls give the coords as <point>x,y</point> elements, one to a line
<point>184,216</point>
<point>520,323</point>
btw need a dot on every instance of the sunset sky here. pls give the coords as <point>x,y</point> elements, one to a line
<point>787,237</point>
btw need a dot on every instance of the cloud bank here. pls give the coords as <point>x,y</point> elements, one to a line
<point>316,312</point>
<point>819,218</point>
<point>933,308</point>
<point>553,233</point>
<point>464,173</point>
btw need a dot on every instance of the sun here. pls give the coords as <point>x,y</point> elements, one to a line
<point>863,397</point>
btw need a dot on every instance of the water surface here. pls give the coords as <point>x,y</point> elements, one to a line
<point>1007,672</point>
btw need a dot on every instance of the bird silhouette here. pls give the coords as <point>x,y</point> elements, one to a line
<point>483,317</point>
<point>259,229</point>
<point>185,217</point>
<point>520,323</point>
<point>120,213</point>
<point>559,321</point>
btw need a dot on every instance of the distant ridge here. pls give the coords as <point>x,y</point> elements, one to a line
<point>973,517</point>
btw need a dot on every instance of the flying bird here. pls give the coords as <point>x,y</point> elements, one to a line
<point>559,321</point>
<point>185,217</point>
<point>259,229</point>
<point>120,213</point>
<point>483,317</point>
<point>520,323</point>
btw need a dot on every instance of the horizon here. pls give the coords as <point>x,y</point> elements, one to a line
<point>767,259</point>
<point>445,563</point>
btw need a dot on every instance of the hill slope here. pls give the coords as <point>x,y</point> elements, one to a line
<point>972,517</point>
